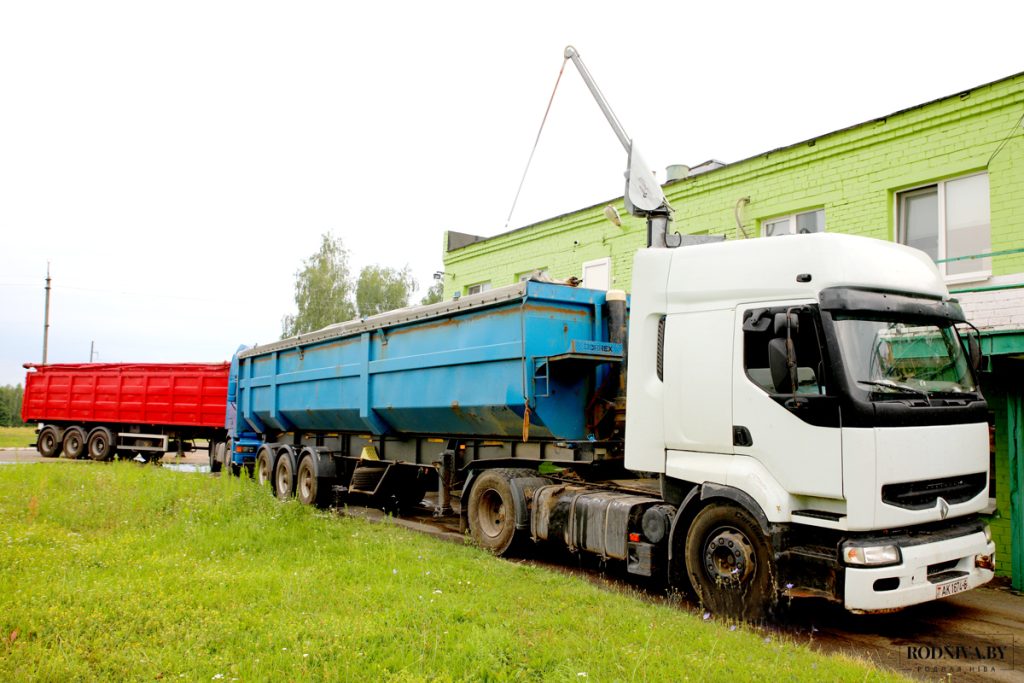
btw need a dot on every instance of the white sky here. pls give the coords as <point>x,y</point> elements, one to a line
<point>176,161</point>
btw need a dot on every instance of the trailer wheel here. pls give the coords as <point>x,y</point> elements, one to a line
<point>284,476</point>
<point>308,488</point>
<point>48,445</point>
<point>101,444</point>
<point>730,564</point>
<point>491,510</point>
<point>215,449</point>
<point>74,443</point>
<point>264,466</point>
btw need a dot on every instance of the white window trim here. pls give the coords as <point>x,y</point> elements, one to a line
<point>791,217</point>
<point>940,189</point>
<point>481,287</point>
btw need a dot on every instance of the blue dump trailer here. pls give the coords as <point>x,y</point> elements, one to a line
<point>520,362</point>
<point>489,387</point>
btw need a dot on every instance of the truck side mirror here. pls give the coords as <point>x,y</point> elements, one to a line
<point>974,351</point>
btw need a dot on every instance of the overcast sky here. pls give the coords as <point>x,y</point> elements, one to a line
<point>176,161</point>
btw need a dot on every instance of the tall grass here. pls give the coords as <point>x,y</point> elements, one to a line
<point>124,572</point>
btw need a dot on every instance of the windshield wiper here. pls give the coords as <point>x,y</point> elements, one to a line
<point>889,384</point>
<point>946,393</point>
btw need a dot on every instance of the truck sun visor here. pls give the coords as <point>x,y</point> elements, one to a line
<point>863,302</point>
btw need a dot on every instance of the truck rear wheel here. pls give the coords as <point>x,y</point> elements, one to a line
<point>216,455</point>
<point>491,510</point>
<point>101,444</point>
<point>308,487</point>
<point>284,476</point>
<point>264,466</point>
<point>74,443</point>
<point>730,564</point>
<point>48,445</point>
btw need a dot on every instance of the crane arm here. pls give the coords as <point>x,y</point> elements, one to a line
<point>643,195</point>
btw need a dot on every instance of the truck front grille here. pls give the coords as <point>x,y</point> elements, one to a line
<point>920,495</point>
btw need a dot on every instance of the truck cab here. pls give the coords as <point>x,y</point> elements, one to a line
<point>817,384</point>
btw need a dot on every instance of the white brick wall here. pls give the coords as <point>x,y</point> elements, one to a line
<point>1002,309</point>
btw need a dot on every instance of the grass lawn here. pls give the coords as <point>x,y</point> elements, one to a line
<point>17,437</point>
<point>117,571</point>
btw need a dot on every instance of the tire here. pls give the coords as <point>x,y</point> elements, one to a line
<point>74,443</point>
<point>309,489</point>
<point>49,444</point>
<point>491,510</point>
<point>229,453</point>
<point>730,564</point>
<point>100,445</point>
<point>265,467</point>
<point>215,449</point>
<point>284,476</point>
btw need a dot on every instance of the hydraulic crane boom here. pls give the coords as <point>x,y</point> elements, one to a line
<point>643,195</point>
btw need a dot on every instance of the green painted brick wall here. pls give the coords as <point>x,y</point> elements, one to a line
<point>853,174</point>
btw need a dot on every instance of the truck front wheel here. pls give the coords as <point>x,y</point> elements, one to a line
<point>491,510</point>
<point>730,563</point>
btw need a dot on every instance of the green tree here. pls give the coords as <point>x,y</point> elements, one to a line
<point>323,290</point>
<point>434,294</point>
<point>380,289</point>
<point>10,405</point>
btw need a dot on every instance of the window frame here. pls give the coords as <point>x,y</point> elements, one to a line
<point>526,274</point>
<point>481,287</point>
<point>941,228</point>
<point>791,218</point>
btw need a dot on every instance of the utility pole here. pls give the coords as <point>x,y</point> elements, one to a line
<point>46,314</point>
<point>92,350</point>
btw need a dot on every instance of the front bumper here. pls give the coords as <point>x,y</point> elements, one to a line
<point>909,583</point>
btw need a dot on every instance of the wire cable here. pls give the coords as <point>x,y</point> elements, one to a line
<point>535,143</point>
<point>999,147</point>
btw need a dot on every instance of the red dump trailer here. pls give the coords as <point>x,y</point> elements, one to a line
<point>144,409</point>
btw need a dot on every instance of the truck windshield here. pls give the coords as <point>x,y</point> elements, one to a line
<point>893,357</point>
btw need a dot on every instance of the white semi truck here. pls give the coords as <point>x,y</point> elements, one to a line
<point>791,417</point>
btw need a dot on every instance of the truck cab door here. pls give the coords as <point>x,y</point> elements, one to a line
<point>784,414</point>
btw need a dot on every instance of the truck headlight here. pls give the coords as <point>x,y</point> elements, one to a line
<point>872,555</point>
<point>988,534</point>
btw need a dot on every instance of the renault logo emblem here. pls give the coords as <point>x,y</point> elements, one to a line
<point>943,508</point>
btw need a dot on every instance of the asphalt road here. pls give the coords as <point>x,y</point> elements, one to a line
<point>975,636</point>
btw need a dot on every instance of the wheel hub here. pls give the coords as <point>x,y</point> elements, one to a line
<point>728,556</point>
<point>492,513</point>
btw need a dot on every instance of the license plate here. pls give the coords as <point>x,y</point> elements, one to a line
<point>944,590</point>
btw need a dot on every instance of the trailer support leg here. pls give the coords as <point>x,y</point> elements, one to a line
<point>444,484</point>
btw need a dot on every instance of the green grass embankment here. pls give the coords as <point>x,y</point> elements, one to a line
<point>122,572</point>
<point>17,437</point>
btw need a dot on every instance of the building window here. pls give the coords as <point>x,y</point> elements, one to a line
<point>947,220</point>
<point>795,224</point>
<point>539,272</point>
<point>478,287</point>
